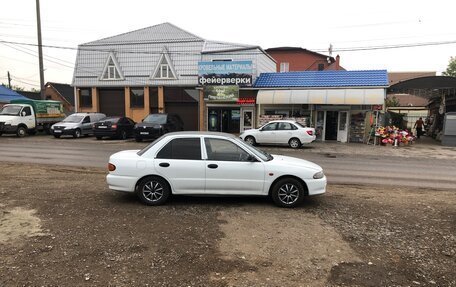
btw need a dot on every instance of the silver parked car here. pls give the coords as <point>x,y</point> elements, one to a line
<point>76,124</point>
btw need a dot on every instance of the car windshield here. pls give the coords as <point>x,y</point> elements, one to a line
<point>73,119</point>
<point>258,152</point>
<point>10,110</point>
<point>158,119</point>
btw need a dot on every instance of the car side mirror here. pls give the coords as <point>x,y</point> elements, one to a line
<point>23,113</point>
<point>251,158</point>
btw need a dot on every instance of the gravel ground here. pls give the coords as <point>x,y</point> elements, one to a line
<point>61,226</point>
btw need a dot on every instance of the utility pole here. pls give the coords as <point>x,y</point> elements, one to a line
<point>9,81</point>
<point>40,49</point>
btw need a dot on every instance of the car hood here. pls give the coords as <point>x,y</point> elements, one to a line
<point>148,125</point>
<point>293,161</point>
<point>64,124</point>
<point>4,118</point>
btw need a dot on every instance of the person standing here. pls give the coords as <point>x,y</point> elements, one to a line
<point>419,124</point>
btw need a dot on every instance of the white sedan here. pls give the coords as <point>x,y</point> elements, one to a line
<point>280,132</point>
<point>207,163</point>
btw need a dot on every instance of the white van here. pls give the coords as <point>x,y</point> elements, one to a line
<point>76,124</point>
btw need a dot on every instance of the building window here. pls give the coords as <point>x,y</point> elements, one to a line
<point>284,67</point>
<point>137,98</point>
<point>321,67</point>
<point>85,98</point>
<point>164,71</point>
<point>111,72</point>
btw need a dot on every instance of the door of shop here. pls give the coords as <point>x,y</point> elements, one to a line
<point>331,125</point>
<point>342,131</point>
<point>224,120</point>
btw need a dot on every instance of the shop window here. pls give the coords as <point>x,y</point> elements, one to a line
<point>137,98</point>
<point>284,67</point>
<point>85,98</point>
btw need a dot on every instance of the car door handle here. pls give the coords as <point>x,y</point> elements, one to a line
<point>163,164</point>
<point>212,165</point>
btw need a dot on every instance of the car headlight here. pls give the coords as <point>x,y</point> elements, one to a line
<point>318,175</point>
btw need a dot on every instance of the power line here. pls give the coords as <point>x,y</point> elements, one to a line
<point>348,49</point>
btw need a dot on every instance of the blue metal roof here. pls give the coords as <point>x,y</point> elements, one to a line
<point>6,95</point>
<point>323,79</point>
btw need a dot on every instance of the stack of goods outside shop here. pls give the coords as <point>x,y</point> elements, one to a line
<point>394,131</point>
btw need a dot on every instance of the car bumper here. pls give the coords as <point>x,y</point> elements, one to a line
<point>148,134</point>
<point>121,183</point>
<point>63,132</point>
<point>104,133</point>
<point>316,186</point>
<point>8,129</point>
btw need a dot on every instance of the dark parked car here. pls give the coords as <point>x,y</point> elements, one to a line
<point>114,127</point>
<point>156,125</point>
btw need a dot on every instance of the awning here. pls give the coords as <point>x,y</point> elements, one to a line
<point>323,96</point>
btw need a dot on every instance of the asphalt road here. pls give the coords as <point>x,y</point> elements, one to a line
<point>340,169</point>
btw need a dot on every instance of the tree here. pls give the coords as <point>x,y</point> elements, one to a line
<point>451,69</point>
<point>392,102</point>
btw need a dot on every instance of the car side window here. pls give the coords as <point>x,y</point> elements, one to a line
<point>219,149</point>
<point>27,110</point>
<point>86,120</point>
<point>285,126</point>
<point>270,127</point>
<point>182,148</point>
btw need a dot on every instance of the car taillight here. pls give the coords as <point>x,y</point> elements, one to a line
<point>114,127</point>
<point>309,132</point>
<point>111,167</point>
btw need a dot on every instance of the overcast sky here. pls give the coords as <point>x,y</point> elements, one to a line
<point>312,25</point>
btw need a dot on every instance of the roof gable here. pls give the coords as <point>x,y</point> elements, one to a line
<point>106,74</point>
<point>316,79</point>
<point>164,60</point>
<point>165,32</point>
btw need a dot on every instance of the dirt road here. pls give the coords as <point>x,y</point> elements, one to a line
<point>62,226</point>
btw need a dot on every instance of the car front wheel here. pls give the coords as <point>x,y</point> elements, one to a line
<point>153,190</point>
<point>77,133</point>
<point>287,192</point>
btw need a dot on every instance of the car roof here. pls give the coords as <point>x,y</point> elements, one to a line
<point>200,133</point>
<point>283,121</point>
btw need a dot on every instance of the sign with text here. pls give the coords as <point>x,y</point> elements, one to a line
<point>221,93</point>
<point>225,73</point>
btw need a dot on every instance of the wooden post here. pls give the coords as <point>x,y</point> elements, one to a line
<point>161,99</point>
<point>127,102</point>
<point>95,100</point>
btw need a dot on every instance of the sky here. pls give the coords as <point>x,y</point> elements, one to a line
<point>425,28</point>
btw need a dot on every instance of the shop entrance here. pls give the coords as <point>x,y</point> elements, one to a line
<point>331,125</point>
<point>224,120</point>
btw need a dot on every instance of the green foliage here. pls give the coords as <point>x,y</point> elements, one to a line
<point>451,69</point>
<point>392,102</point>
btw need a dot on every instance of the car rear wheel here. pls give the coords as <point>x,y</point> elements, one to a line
<point>294,143</point>
<point>250,140</point>
<point>287,192</point>
<point>123,135</point>
<point>99,138</point>
<point>57,136</point>
<point>153,190</point>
